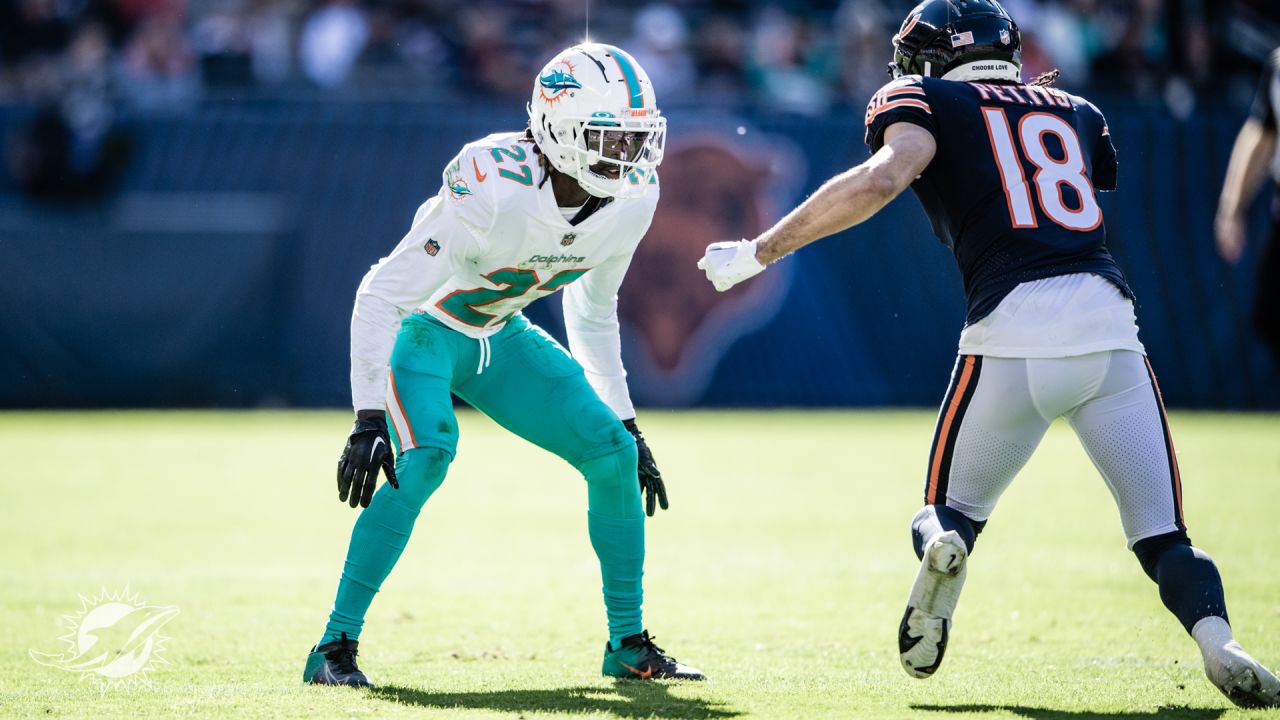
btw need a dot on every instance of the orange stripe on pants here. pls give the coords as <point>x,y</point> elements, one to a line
<point>935,469</point>
<point>1168,438</point>
<point>406,443</point>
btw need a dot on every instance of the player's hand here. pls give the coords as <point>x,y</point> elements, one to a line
<point>650,479</point>
<point>368,449</point>
<point>729,263</point>
<point>1230,232</point>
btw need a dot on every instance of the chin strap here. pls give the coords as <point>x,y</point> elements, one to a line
<point>588,208</point>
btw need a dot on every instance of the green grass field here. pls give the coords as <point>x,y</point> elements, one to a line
<point>781,570</point>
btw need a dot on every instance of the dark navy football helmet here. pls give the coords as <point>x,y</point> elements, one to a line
<point>958,40</point>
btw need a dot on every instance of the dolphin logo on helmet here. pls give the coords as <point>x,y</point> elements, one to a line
<point>555,80</point>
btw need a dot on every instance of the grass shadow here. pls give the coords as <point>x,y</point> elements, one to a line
<point>626,699</point>
<point>1162,713</point>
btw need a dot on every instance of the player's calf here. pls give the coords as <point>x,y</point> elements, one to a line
<point>1191,588</point>
<point>926,624</point>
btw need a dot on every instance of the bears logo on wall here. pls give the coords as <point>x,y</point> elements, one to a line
<point>714,187</point>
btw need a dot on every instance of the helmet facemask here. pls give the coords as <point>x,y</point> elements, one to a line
<point>607,156</point>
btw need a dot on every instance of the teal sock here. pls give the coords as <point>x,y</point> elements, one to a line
<point>615,522</point>
<point>379,537</point>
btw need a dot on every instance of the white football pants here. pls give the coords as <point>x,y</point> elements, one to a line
<point>997,410</point>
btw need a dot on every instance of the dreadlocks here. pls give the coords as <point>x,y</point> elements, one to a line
<point>1046,79</point>
<point>544,162</point>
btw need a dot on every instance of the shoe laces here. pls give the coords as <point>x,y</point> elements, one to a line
<point>646,643</point>
<point>343,656</point>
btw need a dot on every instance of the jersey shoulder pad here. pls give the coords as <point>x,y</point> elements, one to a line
<point>1093,112</point>
<point>902,100</point>
<point>906,91</point>
<point>650,196</point>
<point>1097,113</point>
<point>468,187</point>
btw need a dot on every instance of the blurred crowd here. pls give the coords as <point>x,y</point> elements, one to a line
<point>156,56</point>
<point>81,68</point>
<point>807,58</point>
<point>802,57</point>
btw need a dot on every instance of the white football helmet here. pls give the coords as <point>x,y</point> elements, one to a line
<point>595,116</point>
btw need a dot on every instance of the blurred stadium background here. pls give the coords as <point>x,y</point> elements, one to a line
<point>192,189</point>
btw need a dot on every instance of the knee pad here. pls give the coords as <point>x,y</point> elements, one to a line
<point>613,487</point>
<point>1151,550</point>
<point>420,472</point>
<point>934,519</point>
<point>612,467</point>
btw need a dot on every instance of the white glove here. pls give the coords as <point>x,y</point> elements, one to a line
<point>729,263</point>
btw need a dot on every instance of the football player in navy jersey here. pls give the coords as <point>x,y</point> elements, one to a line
<point>1254,156</point>
<point>1006,172</point>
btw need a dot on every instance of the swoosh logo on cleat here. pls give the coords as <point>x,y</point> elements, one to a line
<point>480,177</point>
<point>648,671</point>
<point>906,640</point>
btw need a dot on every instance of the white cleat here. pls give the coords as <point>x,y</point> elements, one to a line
<point>1245,681</point>
<point>922,635</point>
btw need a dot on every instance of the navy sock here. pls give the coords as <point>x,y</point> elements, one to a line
<point>933,520</point>
<point>1190,586</point>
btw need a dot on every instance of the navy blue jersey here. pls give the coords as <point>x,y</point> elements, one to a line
<point>1011,188</point>
<point>1266,106</point>
<point>1267,99</point>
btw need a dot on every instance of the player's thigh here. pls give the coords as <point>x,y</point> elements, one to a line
<point>533,388</point>
<point>1126,434</point>
<point>987,429</point>
<point>424,362</point>
<point>1266,306</point>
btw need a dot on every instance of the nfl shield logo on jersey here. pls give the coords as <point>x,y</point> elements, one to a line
<point>568,239</point>
<point>432,247</point>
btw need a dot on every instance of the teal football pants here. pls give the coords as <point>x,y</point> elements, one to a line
<point>526,382</point>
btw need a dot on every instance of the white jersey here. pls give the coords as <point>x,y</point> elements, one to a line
<point>488,244</point>
<point>1054,317</point>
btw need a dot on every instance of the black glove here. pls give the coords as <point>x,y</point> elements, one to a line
<point>650,479</point>
<point>368,448</point>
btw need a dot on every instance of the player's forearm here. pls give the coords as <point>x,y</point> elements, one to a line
<point>374,323</point>
<point>852,196</point>
<point>1247,170</point>
<point>842,202</point>
<point>595,341</point>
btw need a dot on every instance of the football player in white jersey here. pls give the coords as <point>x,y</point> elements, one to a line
<point>520,215</point>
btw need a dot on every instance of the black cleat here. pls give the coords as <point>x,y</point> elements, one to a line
<point>334,663</point>
<point>639,659</point>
